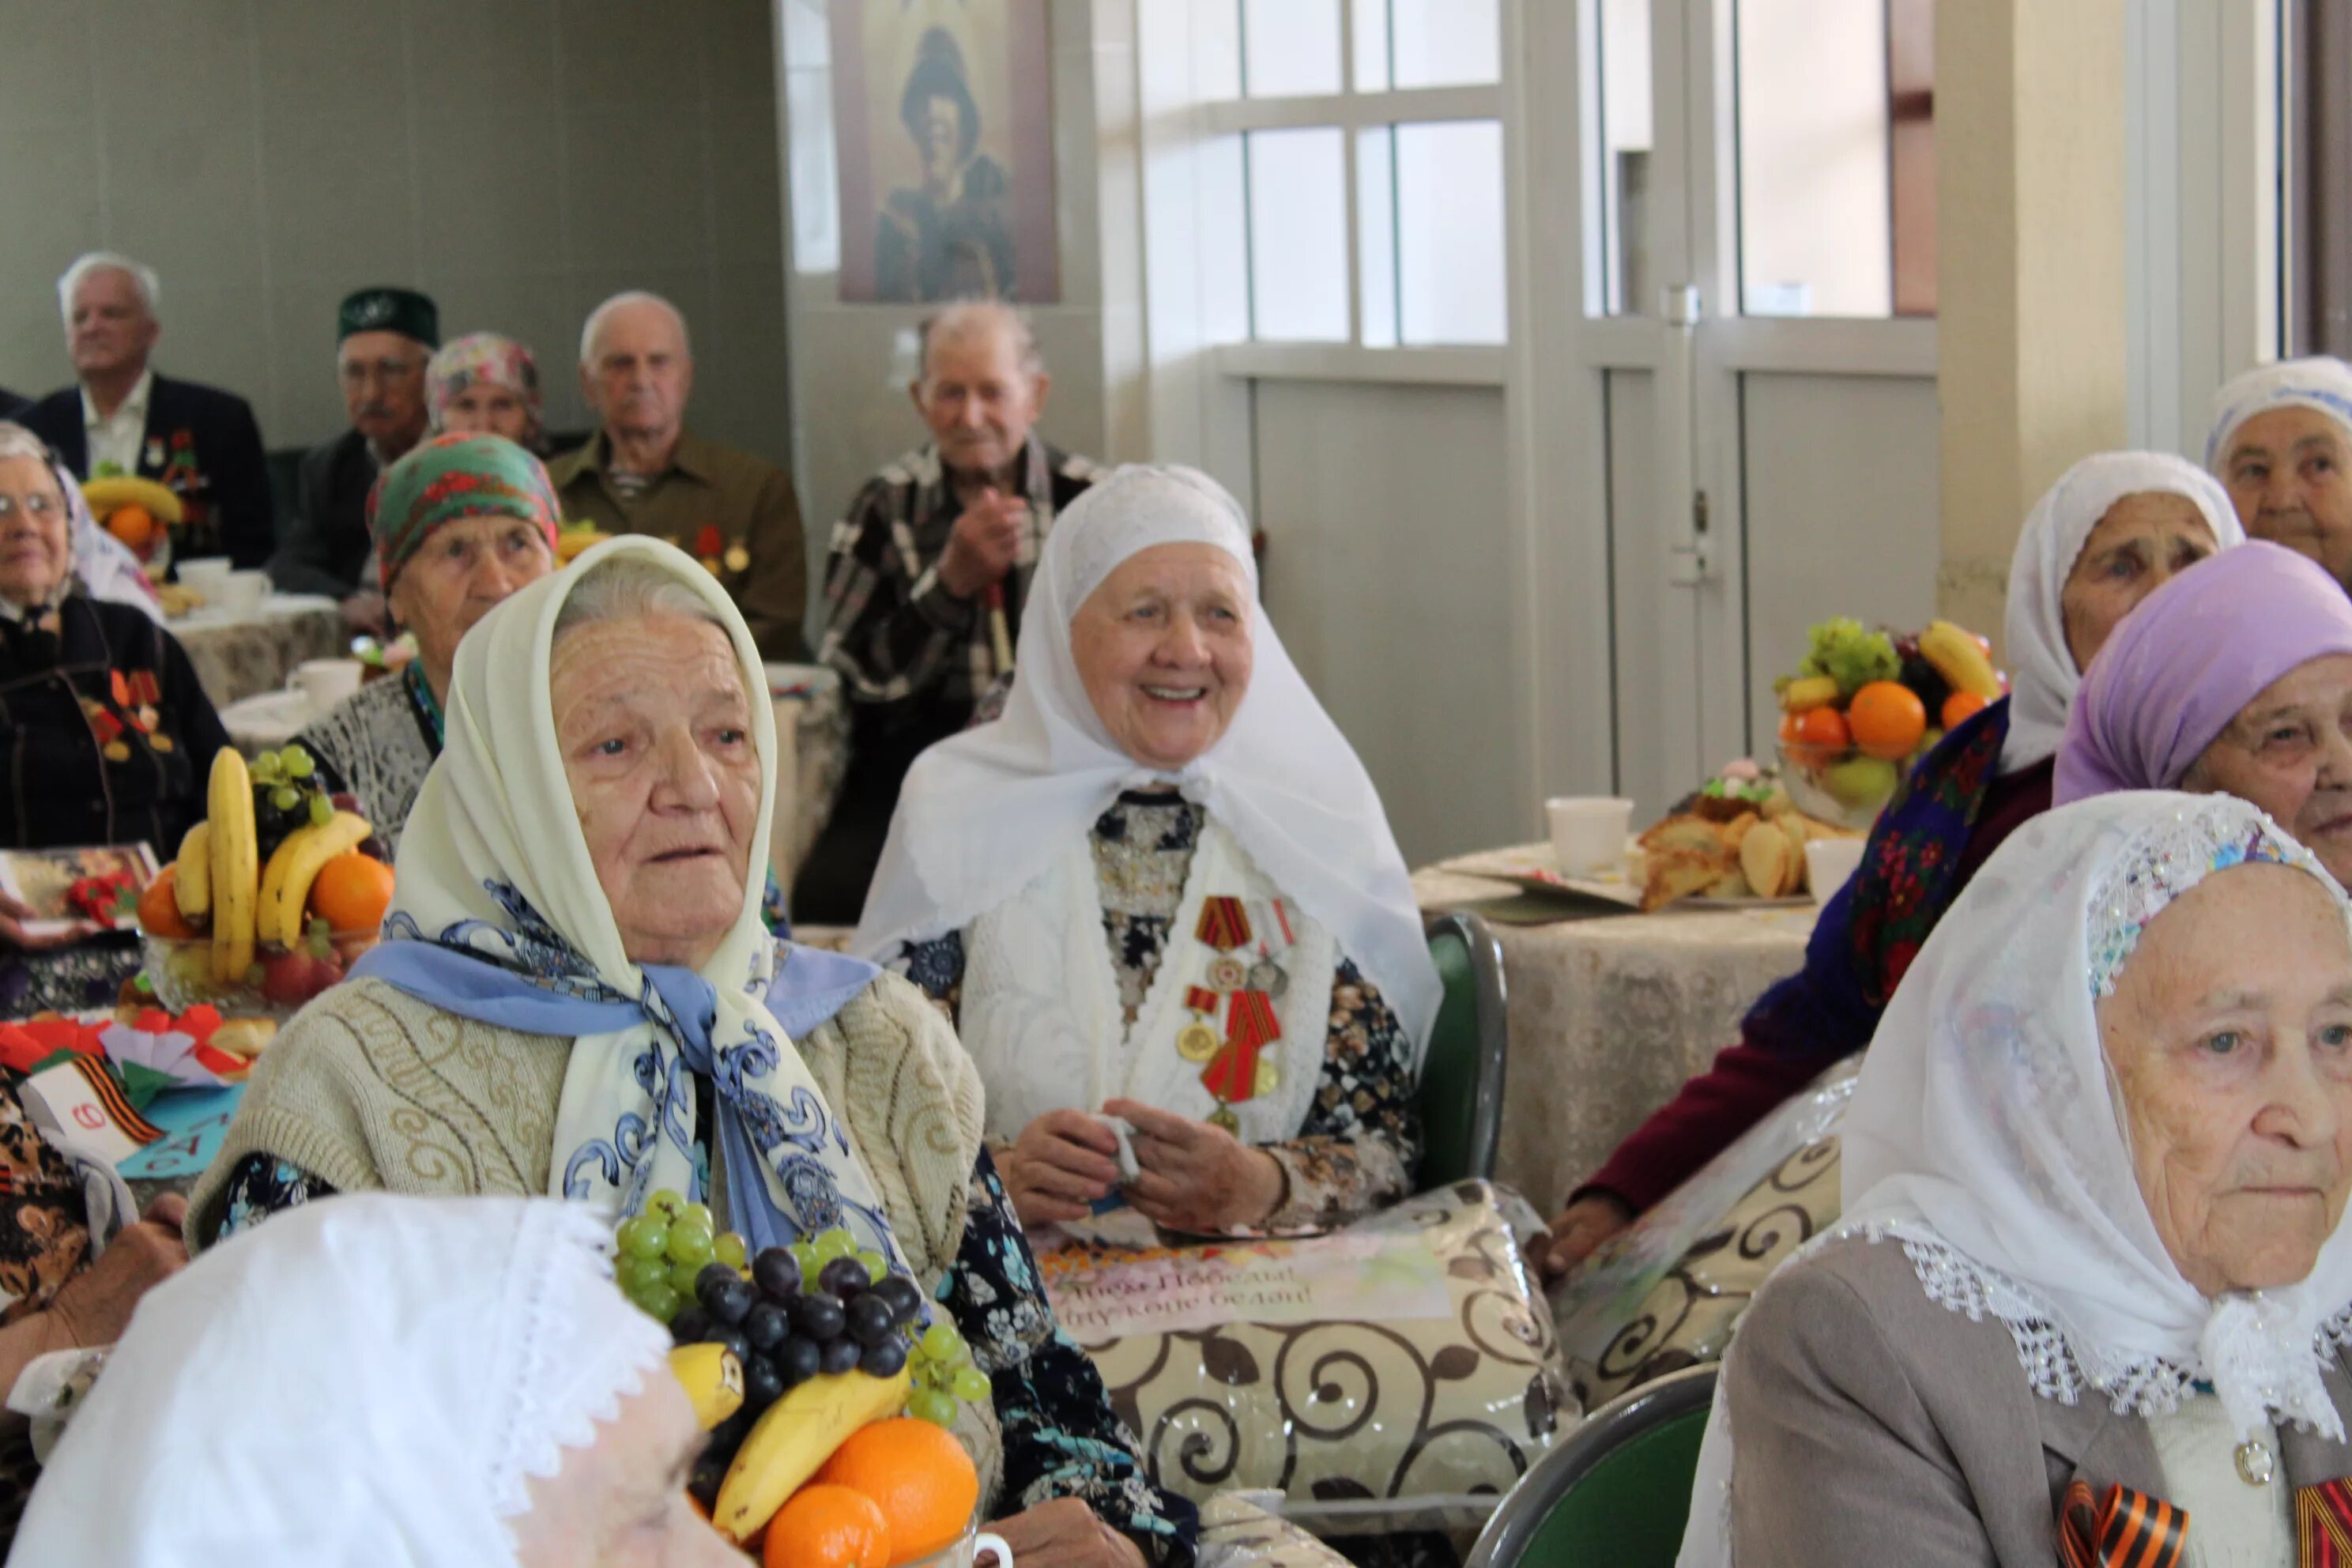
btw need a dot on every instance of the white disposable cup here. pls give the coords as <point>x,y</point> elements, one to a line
<point>242,591</point>
<point>1588,832</point>
<point>208,576</point>
<point>1830,863</point>
<point>325,682</point>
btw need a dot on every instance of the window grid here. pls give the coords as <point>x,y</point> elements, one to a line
<point>1354,110</point>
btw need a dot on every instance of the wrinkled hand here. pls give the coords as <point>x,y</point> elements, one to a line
<point>1196,1177</point>
<point>1061,1163</point>
<point>1064,1533</point>
<point>1581,1226</point>
<point>16,912</point>
<point>94,1307</point>
<point>983,543</point>
<point>366,611</point>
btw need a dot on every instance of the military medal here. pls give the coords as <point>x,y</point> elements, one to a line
<point>115,752</point>
<point>1237,1068</point>
<point>1196,1042</point>
<point>738,558</point>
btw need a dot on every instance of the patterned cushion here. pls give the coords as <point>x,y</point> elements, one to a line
<point>1666,1292</point>
<point>1398,1375</point>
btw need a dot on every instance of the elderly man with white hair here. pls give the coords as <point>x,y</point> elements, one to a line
<point>122,418</point>
<point>644,472</point>
<point>2282,445</point>
<point>930,573</point>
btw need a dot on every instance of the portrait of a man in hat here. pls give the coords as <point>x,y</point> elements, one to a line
<point>941,110</point>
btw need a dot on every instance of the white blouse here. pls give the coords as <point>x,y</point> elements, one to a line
<point>2231,1524</point>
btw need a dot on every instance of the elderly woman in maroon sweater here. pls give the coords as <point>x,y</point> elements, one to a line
<point>2114,529</point>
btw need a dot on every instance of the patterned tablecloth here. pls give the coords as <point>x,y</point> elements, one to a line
<point>240,656</point>
<point>1609,1014</point>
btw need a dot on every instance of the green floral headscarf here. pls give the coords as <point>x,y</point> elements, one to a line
<point>452,476</point>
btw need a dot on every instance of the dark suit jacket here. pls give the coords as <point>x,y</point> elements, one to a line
<point>1874,1426</point>
<point>235,493</point>
<point>11,405</point>
<point>328,550</point>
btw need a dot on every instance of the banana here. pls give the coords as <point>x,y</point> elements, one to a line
<point>235,865</point>
<point>1807,693</point>
<point>192,890</point>
<point>1960,659</point>
<point>713,1380</point>
<point>285,886</point>
<point>793,1439</point>
<point>122,489</point>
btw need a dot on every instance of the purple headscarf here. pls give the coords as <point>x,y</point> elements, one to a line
<point>2183,664</point>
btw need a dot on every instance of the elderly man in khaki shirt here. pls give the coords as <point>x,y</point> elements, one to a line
<point>643,472</point>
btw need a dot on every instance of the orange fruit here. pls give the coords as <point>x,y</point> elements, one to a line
<point>352,891</point>
<point>823,1526</point>
<point>1960,707</point>
<point>159,907</point>
<point>1887,719</point>
<point>918,1474</point>
<point>1821,736</point>
<point>134,525</point>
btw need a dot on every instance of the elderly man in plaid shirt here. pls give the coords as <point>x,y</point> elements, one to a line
<point>928,576</point>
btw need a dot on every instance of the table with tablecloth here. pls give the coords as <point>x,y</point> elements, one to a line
<point>1611,1012</point>
<point>239,655</point>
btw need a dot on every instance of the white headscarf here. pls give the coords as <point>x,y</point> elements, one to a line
<point>366,1380</point>
<point>1986,1138</point>
<point>2321,383</point>
<point>2042,677</point>
<point>493,863</point>
<point>984,813</point>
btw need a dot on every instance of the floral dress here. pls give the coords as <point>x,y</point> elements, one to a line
<point>1361,1139</point>
<point>1061,1438</point>
<point>44,1242</point>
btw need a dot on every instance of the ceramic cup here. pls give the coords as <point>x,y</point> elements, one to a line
<point>243,593</point>
<point>965,1551</point>
<point>1588,832</point>
<point>1829,863</point>
<point>208,576</point>
<point>325,682</point>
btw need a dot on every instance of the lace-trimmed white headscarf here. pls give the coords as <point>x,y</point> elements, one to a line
<point>1984,1137</point>
<point>368,1379</point>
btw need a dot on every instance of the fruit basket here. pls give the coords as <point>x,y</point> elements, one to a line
<point>275,984</point>
<point>1866,705</point>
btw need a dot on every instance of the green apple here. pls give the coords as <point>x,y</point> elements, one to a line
<point>1862,783</point>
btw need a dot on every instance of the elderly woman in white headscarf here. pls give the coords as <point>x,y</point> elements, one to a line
<point>576,996</point>
<point>2114,529</point>
<point>2282,443</point>
<point>1161,888</point>
<point>444,1384</point>
<point>2089,1297</point>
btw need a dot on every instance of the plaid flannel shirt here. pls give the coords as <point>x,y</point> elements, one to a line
<point>892,628</point>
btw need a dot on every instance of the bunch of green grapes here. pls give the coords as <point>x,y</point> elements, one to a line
<point>664,1250</point>
<point>940,1364</point>
<point>1850,654</point>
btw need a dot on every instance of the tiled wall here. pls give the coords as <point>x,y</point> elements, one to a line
<point>520,159</point>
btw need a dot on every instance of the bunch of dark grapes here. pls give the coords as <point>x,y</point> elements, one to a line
<point>286,795</point>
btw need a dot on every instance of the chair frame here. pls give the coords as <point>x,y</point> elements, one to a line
<point>1494,1033</point>
<point>1529,1507</point>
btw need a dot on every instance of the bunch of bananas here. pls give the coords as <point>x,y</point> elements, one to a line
<point>793,1439</point>
<point>220,878</point>
<point>111,492</point>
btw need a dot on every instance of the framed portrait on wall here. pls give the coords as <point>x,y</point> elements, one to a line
<point>943,116</point>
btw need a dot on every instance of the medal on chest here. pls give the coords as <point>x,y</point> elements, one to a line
<point>1233,1027</point>
<point>133,711</point>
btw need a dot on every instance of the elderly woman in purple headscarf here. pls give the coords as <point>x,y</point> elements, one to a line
<point>2233,678</point>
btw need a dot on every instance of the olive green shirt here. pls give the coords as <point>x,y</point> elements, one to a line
<point>745,502</point>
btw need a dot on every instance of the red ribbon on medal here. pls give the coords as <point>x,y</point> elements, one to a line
<point>145,690</point>
<point>1224,925</point>
<point>2323,1524</point>
<point>2121,1529</point>
<point>1199,999</point>
<point>1232,1073</point>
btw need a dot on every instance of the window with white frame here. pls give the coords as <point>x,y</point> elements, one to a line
<point>1366,139</point>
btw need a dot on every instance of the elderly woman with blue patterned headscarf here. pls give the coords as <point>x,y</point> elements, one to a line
<point>459,523</point>
<point>575,996</point>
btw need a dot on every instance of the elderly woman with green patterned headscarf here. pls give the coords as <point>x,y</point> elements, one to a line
<point>459,523</point>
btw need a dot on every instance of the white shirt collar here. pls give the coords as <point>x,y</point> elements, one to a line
<point>133,406</point>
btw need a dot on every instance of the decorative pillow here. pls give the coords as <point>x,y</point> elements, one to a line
<point>1663,1293</point>
<point>1401,1373</point>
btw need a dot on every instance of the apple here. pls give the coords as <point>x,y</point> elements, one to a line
<point>1862,783</point>
<point>290,979</point>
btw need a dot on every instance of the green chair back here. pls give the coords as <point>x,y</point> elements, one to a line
<point>1617,1490</point>
<point>1461,1091</point>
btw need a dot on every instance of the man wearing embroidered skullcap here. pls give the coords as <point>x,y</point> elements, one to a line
<point>644,472</point>
<point>383,337</point>
<point>2282,445</point>
<point>120,417</point>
